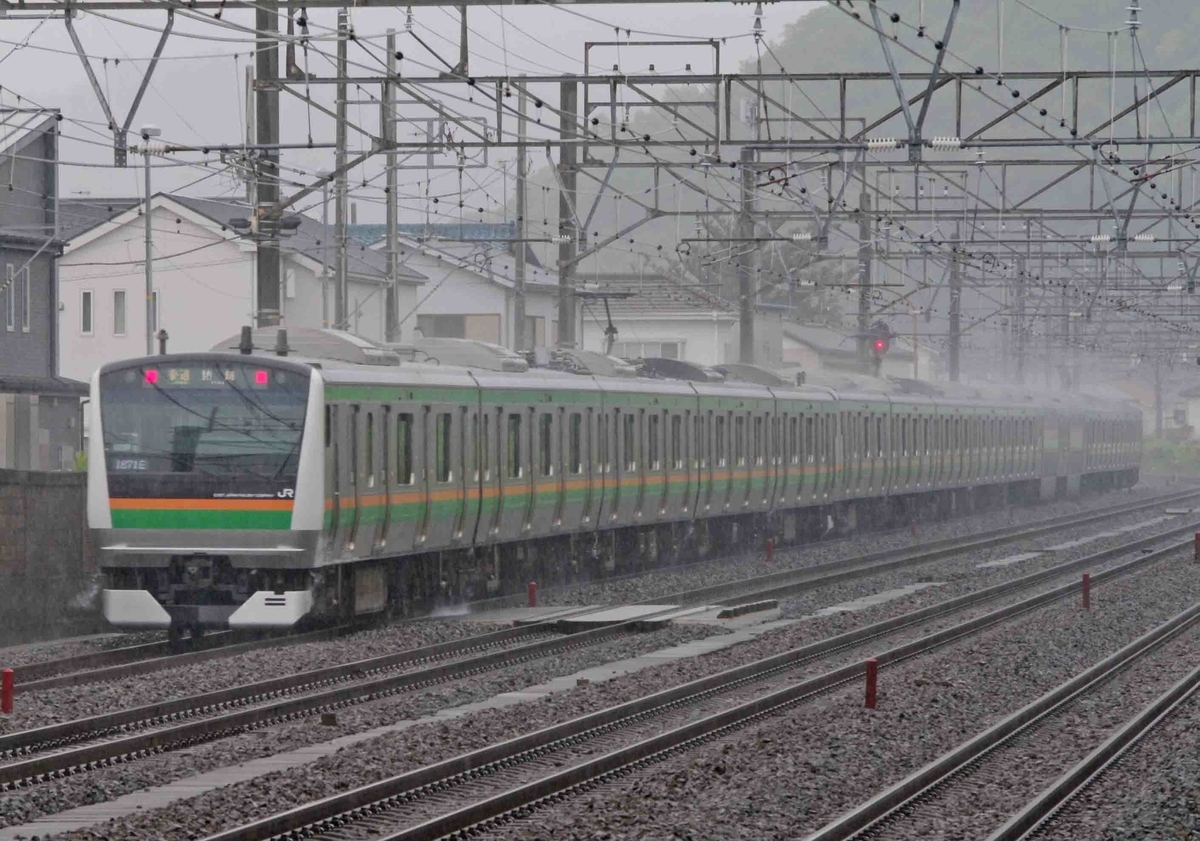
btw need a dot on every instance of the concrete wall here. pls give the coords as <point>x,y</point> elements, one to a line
<point>47,558</point>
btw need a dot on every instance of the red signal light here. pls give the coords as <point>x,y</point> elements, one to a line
<point>880,345</point>
<point>151,376</point>
<point>260,377</point>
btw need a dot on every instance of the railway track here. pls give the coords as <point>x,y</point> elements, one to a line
<point>120,663</point>
<point>511,779</point>
<point>1039,817</point>
<point>940,789</point>
<point>60,750</point>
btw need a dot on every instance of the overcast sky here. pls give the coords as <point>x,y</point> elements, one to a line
<point>197,94</point>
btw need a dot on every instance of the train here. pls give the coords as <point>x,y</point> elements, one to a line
<point>264,487</point>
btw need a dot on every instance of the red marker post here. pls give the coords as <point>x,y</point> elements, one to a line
<point>771,547</point>
<point>533,594</point>
<point>872,682</point>
<point>1087,591</point>
<point>6,692</point>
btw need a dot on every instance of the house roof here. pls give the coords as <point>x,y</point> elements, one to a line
<point>312,239</point>
<point>21,126</point>
<point>49,386</point>
<point>651,293</point>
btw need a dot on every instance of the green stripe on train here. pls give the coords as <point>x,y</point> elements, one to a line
<point>149,518</point>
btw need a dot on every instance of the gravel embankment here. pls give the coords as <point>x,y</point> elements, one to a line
<point>70,702</point>
<point>926,705</point>
<point>98,786</point>
<point>1154,791</point>
<point>797,771</point>
<point>40,652</point>
<point>726,569</point>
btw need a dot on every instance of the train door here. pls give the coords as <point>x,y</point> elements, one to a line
<point>785,449</point>
<point>371,500</point>
<point>702,423</point>
<point>386,478</point>
<point>353,468</point>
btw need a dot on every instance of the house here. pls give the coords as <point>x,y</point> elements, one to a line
<point>668,314</point>
<point>815,347</point>
<point>470,290</point>
<point>40,412</point>
<point>204,278</point>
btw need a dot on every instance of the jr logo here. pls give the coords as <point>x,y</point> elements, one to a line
<point>287,493</point>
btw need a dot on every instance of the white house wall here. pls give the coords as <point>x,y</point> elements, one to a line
<point>452,290</point>
<point>203,296</point>
<point>705,341</point>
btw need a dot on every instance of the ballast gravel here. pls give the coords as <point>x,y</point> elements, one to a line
<point>1152,792</point>
<point>24,805</point>
<point>39,652</point>
<point>790,775</point>
<point>831,752</point>
<point>69,702</point>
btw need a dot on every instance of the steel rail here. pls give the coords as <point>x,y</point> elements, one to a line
<point>1037,815</point>
<point>88,757</point>
<point>906,796</point>
<point>790,582</point>
<point>374,798</point>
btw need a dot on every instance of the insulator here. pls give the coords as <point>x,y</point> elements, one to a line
<point>1101,237</point>
<point>878,144</point>
<point>1145,238</point>
<point>155,147</point>
<point>802,237</point>
<point>945,142</point>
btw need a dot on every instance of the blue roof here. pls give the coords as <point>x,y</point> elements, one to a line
<point>466,232</point>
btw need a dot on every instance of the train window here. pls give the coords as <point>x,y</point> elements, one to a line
<point>370,449</point>
<point>758,441</point>
<point>866,437</point>
<point>677,442</point>
<point>354,448</point>
<point>794,440</point>
<point>904,436</point>
<point>699,443</point>
<point>879,435</point>
<point>739,440</point>
<point>652,441</point>
<point>545,427</point>
<point>328,427</point>
<point>809,448</point>
<point>442,446</point>
<point>386,461</point>
<point>514,446</point>
<point>720,440</point>
<point>485,446</point>
<point>630,433</point>
<point>474,445</point>
<point>404,465</point>
<point>575,443</point>
<point>602,454</point>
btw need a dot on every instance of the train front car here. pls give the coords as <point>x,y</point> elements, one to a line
<point>204,490</point>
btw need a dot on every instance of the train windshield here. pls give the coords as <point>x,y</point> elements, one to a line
<point>211,428</point>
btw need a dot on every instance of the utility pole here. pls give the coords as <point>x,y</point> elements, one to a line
<point>955,306</point>
<point>387,121</point>
<point>340,197</point>
<point>147,133</point>
<point>746,252</point>
<point>568,228</point>
<point>519,339</point>
<point>266,115</point>
<point>864,277</point>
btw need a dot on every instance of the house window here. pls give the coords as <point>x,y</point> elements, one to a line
<point>85,312</point>
<point>484,328</point>
<point>26,298</point>
<point>119,312</point>
<point>10,299</point>
<point>644,350</point>
<point>535,332</point>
